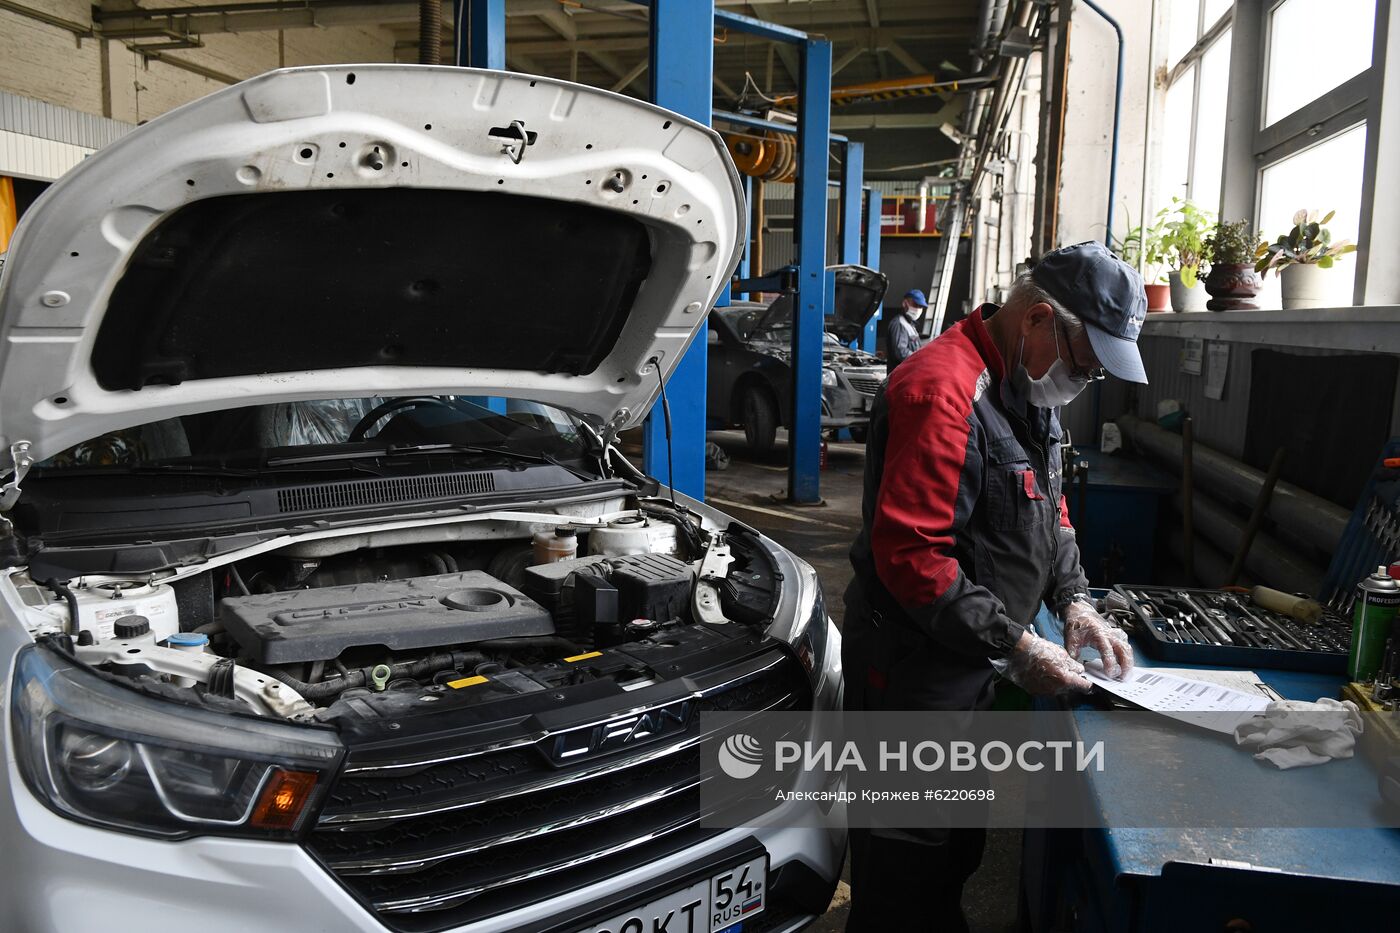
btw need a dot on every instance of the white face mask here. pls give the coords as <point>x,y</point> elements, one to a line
<point>1057,387</point>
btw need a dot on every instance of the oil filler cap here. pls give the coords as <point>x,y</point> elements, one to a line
<point>131,626</point>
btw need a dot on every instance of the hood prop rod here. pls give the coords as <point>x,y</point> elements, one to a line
<point>20,463</point>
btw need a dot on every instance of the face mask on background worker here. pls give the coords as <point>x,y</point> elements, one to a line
<point>1057,387</point>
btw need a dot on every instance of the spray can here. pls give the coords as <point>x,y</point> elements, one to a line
<point>1377,601</point>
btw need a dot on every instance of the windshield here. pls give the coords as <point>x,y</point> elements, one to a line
<point>288,433</point>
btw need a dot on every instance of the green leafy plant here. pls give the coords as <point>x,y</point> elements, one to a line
<point>1185,230</point>
<point>1137,240</point>
<point>1232,242</point>
<point>1308,243</point>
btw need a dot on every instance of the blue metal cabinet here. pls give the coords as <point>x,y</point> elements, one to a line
<point>1119,523</point>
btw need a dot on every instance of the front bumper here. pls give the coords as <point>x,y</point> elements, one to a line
<point>845,404</point>
<point>62,875</point>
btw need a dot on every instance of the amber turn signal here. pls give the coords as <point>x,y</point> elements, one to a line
<point>282,799</point>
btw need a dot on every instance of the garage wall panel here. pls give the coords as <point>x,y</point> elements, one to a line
<point>32,157</point>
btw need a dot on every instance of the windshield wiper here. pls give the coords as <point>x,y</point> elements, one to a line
<point>401,450</point>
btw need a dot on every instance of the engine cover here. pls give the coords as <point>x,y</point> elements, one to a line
<point>420,612</point>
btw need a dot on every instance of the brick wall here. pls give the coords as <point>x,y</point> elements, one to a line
<point>49,63</point>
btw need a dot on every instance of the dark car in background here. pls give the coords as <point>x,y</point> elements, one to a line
<point>750,371</point>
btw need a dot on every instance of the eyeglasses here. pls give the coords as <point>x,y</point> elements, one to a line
<point>1079,373</point>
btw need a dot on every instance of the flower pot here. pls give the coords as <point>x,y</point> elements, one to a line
<point>1158,297</point>
<point>1232,287</point>
<point>1186,299</point>
<point>1304,286</point>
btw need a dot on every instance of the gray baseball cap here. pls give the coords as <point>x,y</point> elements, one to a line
<point>1106,294</point>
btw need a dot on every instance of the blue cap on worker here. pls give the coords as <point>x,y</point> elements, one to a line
<point>917,297</point>
<point>1106,294</point>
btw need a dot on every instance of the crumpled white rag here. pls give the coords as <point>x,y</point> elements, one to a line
<point>1295,733</point>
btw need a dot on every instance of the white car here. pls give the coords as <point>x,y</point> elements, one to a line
<point>327,601</point>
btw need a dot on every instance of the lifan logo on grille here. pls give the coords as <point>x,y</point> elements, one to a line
<point>587,741</point>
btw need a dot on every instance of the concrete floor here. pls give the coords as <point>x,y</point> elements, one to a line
<point>752,489</point>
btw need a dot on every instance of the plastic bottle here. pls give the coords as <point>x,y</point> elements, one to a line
<point>554,546</point>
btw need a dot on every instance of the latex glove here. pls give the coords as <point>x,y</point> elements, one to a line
<point>1043,667</point>
<point>1084,626</point>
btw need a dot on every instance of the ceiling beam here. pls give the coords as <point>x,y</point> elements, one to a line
<point>608,62</point>
<point>559,21</point>
<point>850,56</point>
<point>788,56</point>
<point>889,121</point>
<point>904,58</point>
<point>524,64</point>
<point>624,82</point>
<point>725,88</point>
<point>884,37</point>
<point>872,13</point>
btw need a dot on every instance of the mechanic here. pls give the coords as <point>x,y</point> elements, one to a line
<point>902,338</point>
<point>966,532</point>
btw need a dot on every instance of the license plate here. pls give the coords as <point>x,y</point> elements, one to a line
<point>718,904</point>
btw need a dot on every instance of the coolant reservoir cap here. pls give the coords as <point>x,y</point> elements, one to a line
<point>187,640</point>
<point>131,626</point>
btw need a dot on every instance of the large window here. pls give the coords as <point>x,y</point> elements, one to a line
<point>1197,38</point>
<point>1325,177</point>
<point>1313,47</point>
<point>1269,107</point>
<point>1310,148</point>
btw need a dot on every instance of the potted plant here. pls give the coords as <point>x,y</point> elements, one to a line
<point>1185,229</point>
<point>1146,245</point>
<point>1232,282</point>
<point>1300,256</point>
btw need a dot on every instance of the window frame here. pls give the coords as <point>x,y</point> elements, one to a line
<point>1190,62</point>
<point>1251,146</point>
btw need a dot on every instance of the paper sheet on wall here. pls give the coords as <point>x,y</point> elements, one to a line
<point>1201,703</point>
<point>1217,365</point>
<point>1192,353</point>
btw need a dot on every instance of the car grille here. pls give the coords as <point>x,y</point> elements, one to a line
<point>473,833</point>
<point>865,385</point>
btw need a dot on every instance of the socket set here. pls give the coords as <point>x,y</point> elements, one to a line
<point>1228,629</point>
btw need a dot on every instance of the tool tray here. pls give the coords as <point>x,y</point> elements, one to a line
<point>1267,640</point>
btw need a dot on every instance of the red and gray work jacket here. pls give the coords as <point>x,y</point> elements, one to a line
<point>965,530</point>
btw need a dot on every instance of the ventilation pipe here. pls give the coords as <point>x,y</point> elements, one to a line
<point>1298,513</point>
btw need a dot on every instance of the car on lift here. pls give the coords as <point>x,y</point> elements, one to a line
<point>750,371</point>
<point>327,598</point>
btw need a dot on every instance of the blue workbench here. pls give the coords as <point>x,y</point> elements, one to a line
<point>1172,879</point>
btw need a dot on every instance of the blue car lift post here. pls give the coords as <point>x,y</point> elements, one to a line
<point>852,226</point>
<point>811,299</point>
<point>682,68</point>
<point>873,208</point>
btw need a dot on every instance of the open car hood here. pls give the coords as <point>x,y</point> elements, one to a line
<point>363,230</point>
<point>859,293</point>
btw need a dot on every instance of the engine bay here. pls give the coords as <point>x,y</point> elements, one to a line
<point>354,633</point>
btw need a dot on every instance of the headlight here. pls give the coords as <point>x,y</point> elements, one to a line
<point>94,751</point>
<point>809,631</point>
<point>828,377</point>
